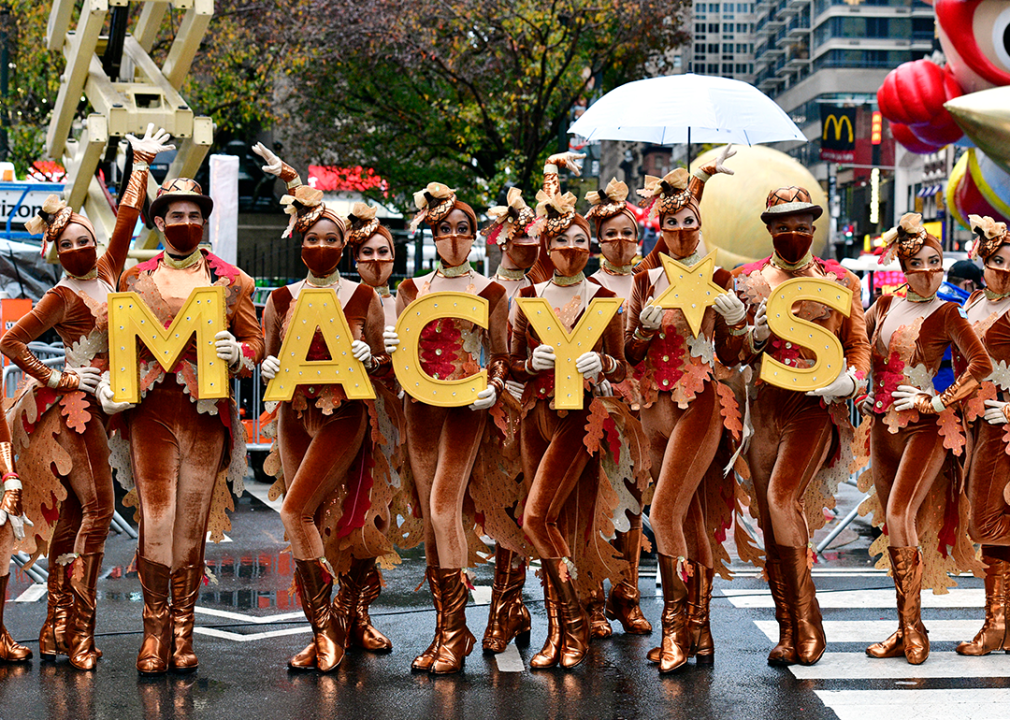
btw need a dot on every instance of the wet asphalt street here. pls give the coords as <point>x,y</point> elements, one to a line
<point>248,624</point>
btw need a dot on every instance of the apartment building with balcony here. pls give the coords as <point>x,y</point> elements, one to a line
<point>722,39</point>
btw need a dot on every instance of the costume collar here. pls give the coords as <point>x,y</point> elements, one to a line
<point>452,272</point>
<point>188,261</point>
<point>382,291</point>
<point>93,273</point>
<point>916,298</point>
<point>331,279</point>
<point>993,297</point>
<point>611,269</point>
<point>562,281</point>
<point>690,260</point>
<point>782,264</point>
<point>510,274</point>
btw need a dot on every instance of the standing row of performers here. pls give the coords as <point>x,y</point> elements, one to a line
<point>672,408</point>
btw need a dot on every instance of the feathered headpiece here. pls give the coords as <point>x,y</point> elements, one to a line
<point>608,203</point>
<point>363,224</point>
<point>433,203</point>
<point>906,239</point>
<point>989,236</point>
<point>53,218</point>
<point>670,193</point>
<point>509,220</point>
<point>554,213</point>
<point>306,208</point>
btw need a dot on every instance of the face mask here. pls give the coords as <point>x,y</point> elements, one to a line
<point>680,242</point>
<point>375,273</point>
<point>792,246</point>
<point>322,260</point>
<point>453,249</point>
<point>620,252</point>
<point>524,255</point>
<point>79,261</point>
<point>182,238</point>
<point>570,261</point>
<point>997,279</point>
<point>924,283</point>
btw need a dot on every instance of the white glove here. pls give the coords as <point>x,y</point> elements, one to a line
<point>904,397</point>
<point>994,412</point>
<point>590,364</point>
<point>270,366</point>
<point>390,339</point>
<point>361,351</point>
<point>87,378</point>
<point>153,141</point>
<point>651,317</point>
<point>515,389</point>
<point>104,395</point>
<point>841,387</point>
<point>605,389</point>
<point>730,307</point>
<point>543,358</point>
<point>569,160</point>
<point>485,398</point>
<point>726,154</point>
<point>761,330</point>
<point>228,348</point>
<point>273,163</point>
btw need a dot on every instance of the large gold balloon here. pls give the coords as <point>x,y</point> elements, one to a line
<point>732,204</point>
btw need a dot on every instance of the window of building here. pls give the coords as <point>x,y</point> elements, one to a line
<point>742,8</point>
<point>713,28</point>
<point>741,68</point>
<point>727,7</point>
<point>713,69</point>
<point>923,28</point>
<point>741,27</point>
<point>699,29</point>
<point>713,7</point>
<point>713,48</point>
<point>741,47</point>
<point>727,68</point>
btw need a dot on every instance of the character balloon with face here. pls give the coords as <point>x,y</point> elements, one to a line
<point>915,431</point>
<point>801,446</point>
<point>443,442</point>
<point>989,466</point>
<point>179,445</point>
<point>59,414</point>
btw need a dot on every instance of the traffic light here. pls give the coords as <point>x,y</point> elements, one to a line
<point>876,128</point>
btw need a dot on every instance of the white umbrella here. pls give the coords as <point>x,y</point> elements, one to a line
<point>687,108</point>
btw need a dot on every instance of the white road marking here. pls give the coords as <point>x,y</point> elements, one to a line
<point>857,666</point>
<point>261,493</point>
<point>510,660</point>
<point>33,593</point>
<point>961,703</point>
<point>255,619</point>
<point>225,540</point>
<point>870,631</point>
<point>481,595</point>
<point>237,637</point>
<point>858,599</point>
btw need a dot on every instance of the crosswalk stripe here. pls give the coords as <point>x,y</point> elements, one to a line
<point>869,631</point>
<point>858,666</point>
<point>861,599</point>
<point>510,660</point>
<point>976,704</point>
<point>238,637</point>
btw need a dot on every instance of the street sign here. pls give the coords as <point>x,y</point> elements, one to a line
<point>838,135</point>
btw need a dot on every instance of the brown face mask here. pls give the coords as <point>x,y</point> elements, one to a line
<point>453,249</point>
<point>524,255</point>
<point>924,283</point>
<point>79,261</point>
<point>620,251</point>
<point>375,272</point>
<point>182,238</point>
<point>680,242</point>
<point>322,260</point>
<point>792,246</point>
<point>997,279</point>
<point>569,261</point>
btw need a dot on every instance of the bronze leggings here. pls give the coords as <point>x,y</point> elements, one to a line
<point>989,474</point>
<point>176,454</point>
<point>442,445</point>
<point>792,437</point>
<point>316,452</point>
<point>682,444</point>
<point>905,466</point>
<point>554,455</point>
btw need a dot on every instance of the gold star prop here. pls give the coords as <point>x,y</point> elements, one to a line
<point>691,289</point>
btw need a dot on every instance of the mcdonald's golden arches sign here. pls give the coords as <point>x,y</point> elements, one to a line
<point>838,133</point>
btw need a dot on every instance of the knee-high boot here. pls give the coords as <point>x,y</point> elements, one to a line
<point>457,640</point>
<point>359,588</point>
<point>508,617</point>
<point>81,644</point>
<point>10,651</point>
<point>906,564</point>
<point>54,635</point>
<point>699,598</point>
<point>156,647</point>
<point>784,652</point>
<point>623,602</point>
<point>185,591</point>
<point>316,586</point>
<point>676,641</point>
<point>808,628</point>
<point>550,655</point>
<point>573,620</point>
<point>595,608</point>
<point>424,661</point>
<point>992,636</point>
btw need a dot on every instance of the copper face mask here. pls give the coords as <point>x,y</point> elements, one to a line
<point>997,279</point>
<point>524,255</point>
<point>375,272</point>
<point>322,260</point>
<point>924,283</point>
<point>681,242</point>
<point>453,249</point>
<point>792,246</point>
<point>182,238</point>
<point>79,261</point>
<point>620,251</point>
<point>570,261</point>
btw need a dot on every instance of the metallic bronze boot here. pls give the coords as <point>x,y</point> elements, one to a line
<point>457,640</point>
<point>894,645</point>
<point>623,602</point>
<point>574,622</point>
<point>329,632</point>
<point>54,635</point>
<point>784,653</point>
<point>808,628</point>
<point>550,655</point>
<point>907,567</point>
<point>507,618</point>
<point>676,637</point>
<point>185,592</point>
<point>359,588</point>
<point>596,611</point>
<point>156,647</point>
<point>81,642</point>
<point>10,651</point>
<point>699,598</point>
<point>424,661</point>
<point>992,636</point>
